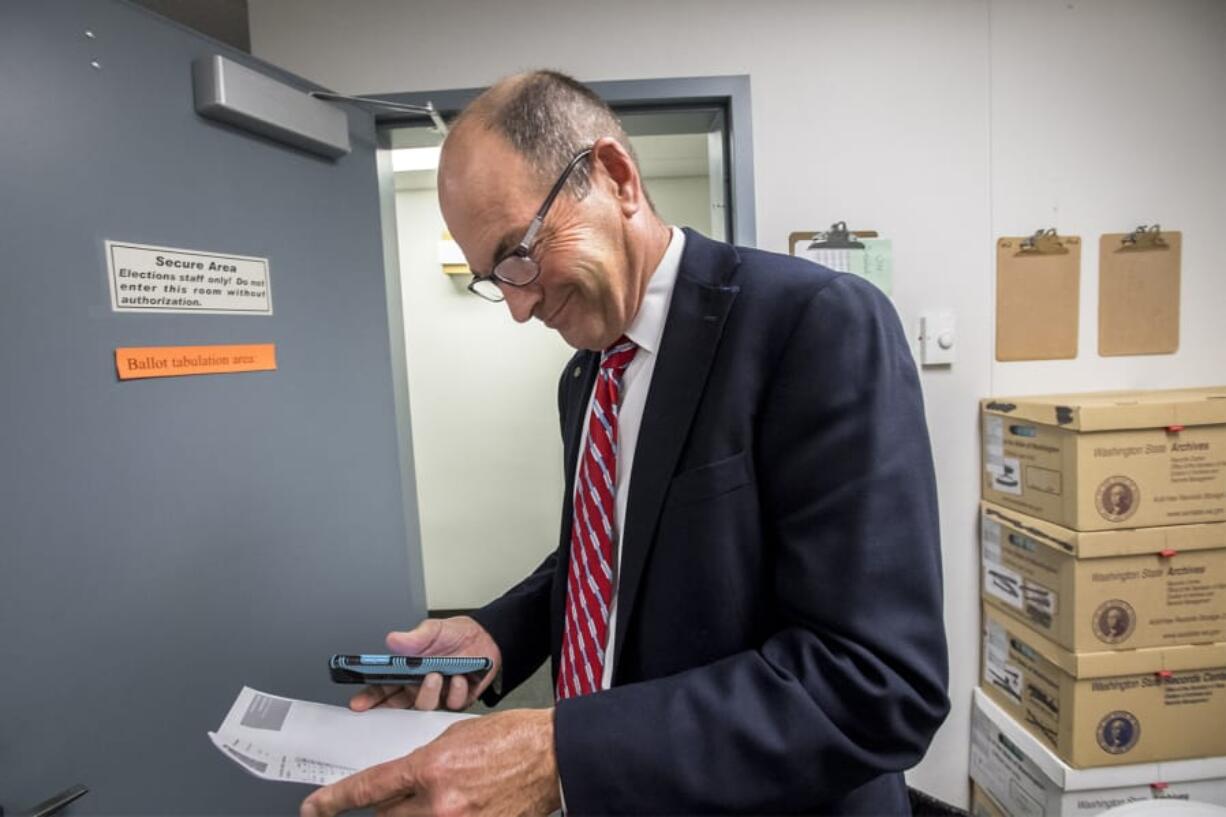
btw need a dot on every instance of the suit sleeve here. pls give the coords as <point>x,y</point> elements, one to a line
<point>852,682</point>
<point>518,621</point>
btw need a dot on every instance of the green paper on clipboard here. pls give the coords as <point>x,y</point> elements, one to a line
<point>878,263</point>
<point>874,263</point>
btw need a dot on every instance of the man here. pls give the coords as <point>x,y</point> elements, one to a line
<point>1114,624</point>
<point>743,614</point>
<point>1119,500</point>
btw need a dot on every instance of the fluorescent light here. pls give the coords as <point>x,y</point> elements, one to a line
<point>407,159</point>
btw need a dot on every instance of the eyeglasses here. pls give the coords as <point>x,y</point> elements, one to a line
<point>517,268</point>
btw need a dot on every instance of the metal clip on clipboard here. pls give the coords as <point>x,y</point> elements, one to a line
<point>1144,238</point>
<point>839,238</point>
<point>1043,242</point>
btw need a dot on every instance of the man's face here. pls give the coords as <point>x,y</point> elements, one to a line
<point>489,195</point>
<point>1113,620</point>
<point>1118,501</point>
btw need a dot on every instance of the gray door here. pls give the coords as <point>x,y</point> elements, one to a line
<point>164,542</point>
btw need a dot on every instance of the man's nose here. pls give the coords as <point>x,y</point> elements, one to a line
<point>522,300</point>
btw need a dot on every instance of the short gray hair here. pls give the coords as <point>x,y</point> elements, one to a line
<point>548,117</point>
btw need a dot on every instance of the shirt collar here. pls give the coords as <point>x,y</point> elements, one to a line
<point>647,328</point>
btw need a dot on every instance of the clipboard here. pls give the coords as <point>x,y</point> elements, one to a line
<point>859,252</point>
<point>1038,285</point>
<point>1138,292</point>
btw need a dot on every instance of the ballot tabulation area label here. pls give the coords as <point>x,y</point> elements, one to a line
<point>145,278</point>
<point>139,362</point>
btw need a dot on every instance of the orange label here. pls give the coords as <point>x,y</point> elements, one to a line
<point>173,361</point>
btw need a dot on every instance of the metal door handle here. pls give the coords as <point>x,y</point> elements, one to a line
<point>53,805</point>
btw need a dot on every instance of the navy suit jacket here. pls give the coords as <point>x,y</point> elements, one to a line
<point>780,646</point>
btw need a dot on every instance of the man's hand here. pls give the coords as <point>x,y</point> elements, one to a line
<point>458,636</point>
<point>500,764</point>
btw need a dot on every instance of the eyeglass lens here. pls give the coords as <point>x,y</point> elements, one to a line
<point>488,289</point>
<point>516,269</point>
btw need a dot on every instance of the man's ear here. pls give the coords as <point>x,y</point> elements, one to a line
<point>614,162</point>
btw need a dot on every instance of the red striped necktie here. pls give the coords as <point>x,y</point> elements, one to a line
<point>590,577</point>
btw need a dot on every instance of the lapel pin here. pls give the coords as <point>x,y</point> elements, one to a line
<point>578,371</point>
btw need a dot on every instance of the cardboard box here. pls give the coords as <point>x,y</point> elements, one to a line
<point>1106,590</point>
<point>1126,459</point>
<point>1024,778</point>
<point>982,804</point>
<point>1107,708</point>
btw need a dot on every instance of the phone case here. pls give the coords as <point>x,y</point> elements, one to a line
<point>399,669</point>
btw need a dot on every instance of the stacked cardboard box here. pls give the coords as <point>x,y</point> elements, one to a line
<point>1103,533</point>
<point>1016,774</point>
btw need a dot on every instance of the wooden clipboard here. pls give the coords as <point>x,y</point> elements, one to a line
<point>1138,292</point>
<point>1038,285</point>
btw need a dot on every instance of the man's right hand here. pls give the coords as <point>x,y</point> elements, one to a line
<point>456,636</point>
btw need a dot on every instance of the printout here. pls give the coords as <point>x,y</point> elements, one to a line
<point>285,739</point>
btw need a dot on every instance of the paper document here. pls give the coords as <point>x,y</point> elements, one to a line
<point>278,738</point>
<point>879,263</point>
<point>838,259</point>
<point>874,263</point>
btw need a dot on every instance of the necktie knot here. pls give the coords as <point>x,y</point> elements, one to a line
<point>617,357</point>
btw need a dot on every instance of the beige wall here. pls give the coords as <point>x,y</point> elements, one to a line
<point>486,445</point>
<point>683,200</point>
<point>943,124</point>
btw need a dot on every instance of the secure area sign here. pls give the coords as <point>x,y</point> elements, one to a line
<point>145,278</point>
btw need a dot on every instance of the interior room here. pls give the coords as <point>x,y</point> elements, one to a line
<point>258,415</point>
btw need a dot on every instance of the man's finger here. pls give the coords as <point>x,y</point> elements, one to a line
<point>409,807</point>
<point>403,698</point>
<point>457,692</point>
<point>368,698</point>
<point>370,787</point>
<point>417,641</point>
<point>429,693</point>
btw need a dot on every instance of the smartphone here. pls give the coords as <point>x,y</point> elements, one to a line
<point>400,669</point>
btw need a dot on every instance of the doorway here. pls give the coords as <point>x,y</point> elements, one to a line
<point>482,398</point>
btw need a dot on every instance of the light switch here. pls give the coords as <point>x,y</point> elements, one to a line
<point>938,339</point>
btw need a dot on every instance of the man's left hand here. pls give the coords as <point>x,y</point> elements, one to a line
<point>497,764</point>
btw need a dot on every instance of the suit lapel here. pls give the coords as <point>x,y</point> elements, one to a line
<point>700,304</point>
<point>580,375</point>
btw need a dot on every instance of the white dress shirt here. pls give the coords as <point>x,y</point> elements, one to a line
<point>645,331</point>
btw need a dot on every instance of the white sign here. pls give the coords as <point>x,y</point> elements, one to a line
<point>164,279</point>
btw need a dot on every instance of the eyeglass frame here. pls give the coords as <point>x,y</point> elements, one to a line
<point>523,249</point>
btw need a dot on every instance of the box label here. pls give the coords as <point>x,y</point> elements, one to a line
<point>1002,581</point>
<point>1001,673</point>
<point>1180,600</point>
<point>1004,473</point>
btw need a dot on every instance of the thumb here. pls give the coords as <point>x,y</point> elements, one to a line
<point>417,641</point>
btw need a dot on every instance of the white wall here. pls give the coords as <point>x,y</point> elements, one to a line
<point>942,124</point>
